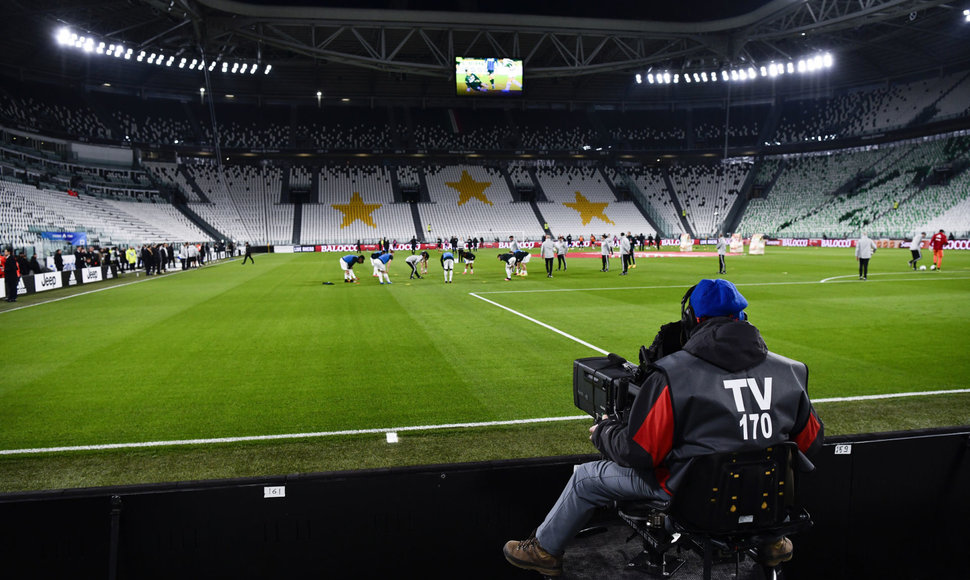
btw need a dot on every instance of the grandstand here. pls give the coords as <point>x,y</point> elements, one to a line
<point>355,203</point>
<point>310,128</point>
<point>474,201</point>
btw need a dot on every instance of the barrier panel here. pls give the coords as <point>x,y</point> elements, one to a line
<point>885,506</point>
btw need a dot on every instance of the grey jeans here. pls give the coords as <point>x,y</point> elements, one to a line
<point>592,485</point>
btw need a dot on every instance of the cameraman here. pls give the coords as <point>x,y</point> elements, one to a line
<point>722,392</point>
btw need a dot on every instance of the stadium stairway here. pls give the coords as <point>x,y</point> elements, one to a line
<point>539,216</point>
<point>201,223</point>
<point>192,183</point>
<point>285,196</point>
<point>416,216</point>
<point>297,222</point>
<point>540,193</point>
<point>424,196</point>
<point>511,184</point>
<point>636,196</point>
<point>673,198</point>
<point>609,183</point>
<point>737,210</point>
<point>638,202</point>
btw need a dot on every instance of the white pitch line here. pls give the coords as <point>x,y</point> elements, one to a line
<point>739,285</point>
<point>320,434</point>
<point>143,444</point>
<point>889,396</point>
<point>542,324</point>
<point>145,279</point>
<point>854,277</point>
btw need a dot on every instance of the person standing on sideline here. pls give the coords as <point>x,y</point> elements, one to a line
<point>509,260</point>
<point>915,248</point>
<point>448,266</point>
<point>938,241</point>
<point>469,261</point>
<point>10,269</point>
<point>864,249</point>
<point>722,244</point>
<point>58,261</point>
<point>633,247</point>
<point>131,256</point>
<point>513,245</point>
<point>347,265</point>
<point>548,251</point>
<point>605,252</point>
<point>147,259</point>
<point>561,251</point>
<point>625,253</point>
<point>247,256</point>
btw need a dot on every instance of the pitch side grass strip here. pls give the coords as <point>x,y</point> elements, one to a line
<point>411,428</point>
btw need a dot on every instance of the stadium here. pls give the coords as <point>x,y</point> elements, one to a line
<point>197,384</point>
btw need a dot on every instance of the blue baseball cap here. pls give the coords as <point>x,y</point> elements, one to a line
<point>717,298</point>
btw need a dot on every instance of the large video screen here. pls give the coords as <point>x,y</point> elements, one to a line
<point>488,76</point>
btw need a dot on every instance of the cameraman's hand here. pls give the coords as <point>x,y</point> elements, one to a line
<point>592,428</point>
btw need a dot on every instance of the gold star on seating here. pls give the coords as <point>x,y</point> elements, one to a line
<point>469,188</point>
<point>356,210</point>
<point>588,209</point>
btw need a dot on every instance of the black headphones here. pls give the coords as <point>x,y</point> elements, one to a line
<point>687,318</point>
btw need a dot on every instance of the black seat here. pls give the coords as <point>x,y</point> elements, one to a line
<point>727,507</point>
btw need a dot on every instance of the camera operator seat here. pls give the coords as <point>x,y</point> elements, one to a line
<point>728,506</point>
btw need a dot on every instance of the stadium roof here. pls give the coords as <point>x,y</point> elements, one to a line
<point>573,52</point>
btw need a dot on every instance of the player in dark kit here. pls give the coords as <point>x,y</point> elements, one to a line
<point>509,259</point>
<point>473,82</point>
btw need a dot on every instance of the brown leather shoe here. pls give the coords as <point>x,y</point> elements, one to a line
<point>529,554</point>
<point>776,553</point>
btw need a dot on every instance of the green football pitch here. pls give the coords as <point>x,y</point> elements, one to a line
<point>262,369</point>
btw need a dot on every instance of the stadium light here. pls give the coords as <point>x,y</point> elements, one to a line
<point>93,45</point>
<point>639,79</point>
<point>966,15</point>
<point>807,65</point>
